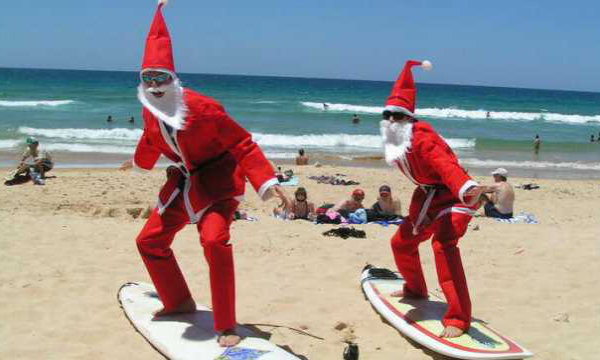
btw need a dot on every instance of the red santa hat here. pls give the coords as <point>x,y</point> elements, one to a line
<point>158,54</point>
<point>404,94</point>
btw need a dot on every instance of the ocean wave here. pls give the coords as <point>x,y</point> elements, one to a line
<point>83,134</point>
<point>365,142</point>
<point>35,103</point>
<point>9,144</point>
<point>370,142</point>
<point>449,113</point>
<point>530,164</point>
<point>87,148</point>
<point>264,102</point>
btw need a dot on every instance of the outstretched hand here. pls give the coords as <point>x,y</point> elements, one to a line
<point>280,193</point>
<point>126,165</point>
<point>473,195</point>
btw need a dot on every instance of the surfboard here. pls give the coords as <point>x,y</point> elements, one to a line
<point>420,320</point>
<point>189,336</point>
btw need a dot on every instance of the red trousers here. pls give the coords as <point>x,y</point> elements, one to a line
<point>446,231</point>
<point>154,244</point>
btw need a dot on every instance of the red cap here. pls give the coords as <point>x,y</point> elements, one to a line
<point>358,192</point>
<point>158,53</point>
<point>403,97</point>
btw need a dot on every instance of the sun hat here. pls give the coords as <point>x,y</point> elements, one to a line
<point>31,140</point>
<point>500,171</point>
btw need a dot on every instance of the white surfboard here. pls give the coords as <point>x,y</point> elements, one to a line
<point>189,336</point>
<point>420,320</point>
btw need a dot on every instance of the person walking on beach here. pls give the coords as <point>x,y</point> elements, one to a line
<point>214,156</point>
<point>536,144</point>
<point>301,159</point>
<point>502,196</point>
<point>441,207</point>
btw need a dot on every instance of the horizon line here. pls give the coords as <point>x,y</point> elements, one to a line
<point>309,78</point>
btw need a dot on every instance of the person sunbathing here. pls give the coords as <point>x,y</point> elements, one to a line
<point>500,202</point>
<point>351,205</point>
<point>386,205</point>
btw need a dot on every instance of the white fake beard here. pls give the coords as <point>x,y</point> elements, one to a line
<point>397,137</point>
<point>169,108</point>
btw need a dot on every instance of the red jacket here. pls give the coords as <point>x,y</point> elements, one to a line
<point>431,162</point>
<point>215,153</point>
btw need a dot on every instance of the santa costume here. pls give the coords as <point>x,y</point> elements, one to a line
<point>214,156</point>
<point>438,208</point>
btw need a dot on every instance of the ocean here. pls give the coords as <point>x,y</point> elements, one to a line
<point>488,127</point>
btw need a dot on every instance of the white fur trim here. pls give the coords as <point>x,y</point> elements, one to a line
<point>163,2</point>
<point>463,189</point>
<point>426,65</point>
<point>262,191</point>
<point>394,108</point>
<point>177,120</point>
<point>459,210</point>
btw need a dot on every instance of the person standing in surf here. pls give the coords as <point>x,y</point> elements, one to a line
<point>441,207</point>
<point>214,156</point>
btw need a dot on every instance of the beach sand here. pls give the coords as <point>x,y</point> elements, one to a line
<point>67,247</point>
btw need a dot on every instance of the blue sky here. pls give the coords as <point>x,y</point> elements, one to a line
<point>550,44</point>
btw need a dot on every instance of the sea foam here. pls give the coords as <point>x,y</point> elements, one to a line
<point>367,142</point>
<point>83,134</point>
<point>450,113</point>
<point>35,103</point>
<point>529,164</point>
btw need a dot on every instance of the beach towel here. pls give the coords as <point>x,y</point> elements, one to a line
<point>332,180</point>
<point>387,223</point>
<point>520,218</point>
<point>293,181</point>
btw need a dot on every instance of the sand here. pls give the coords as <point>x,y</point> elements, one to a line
<point>65,249</point>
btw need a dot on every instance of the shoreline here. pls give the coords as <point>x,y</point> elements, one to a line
<point>69,160</point>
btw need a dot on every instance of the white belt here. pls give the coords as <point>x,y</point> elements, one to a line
<point>424,209</point>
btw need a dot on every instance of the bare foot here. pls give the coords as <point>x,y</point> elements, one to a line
<point>229,338</point>
<point>451,332</point>
<point>188,306</point>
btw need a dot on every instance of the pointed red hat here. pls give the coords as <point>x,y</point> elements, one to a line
<point>404,94</point>
<point>158,53</point>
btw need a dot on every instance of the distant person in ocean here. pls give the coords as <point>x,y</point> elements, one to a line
<point>592,138</point>
<point>301,159</point>
<point>487,115</point>
<point>502,196</point>
<point>355,119</point>
<point>42,162</point>
<point>536,144</point>
<point>131,120</point>
<point>109,119</point>
<point>325,106</point>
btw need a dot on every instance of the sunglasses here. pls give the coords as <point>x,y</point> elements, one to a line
<point>387,115</point>
<point>161,78</point>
